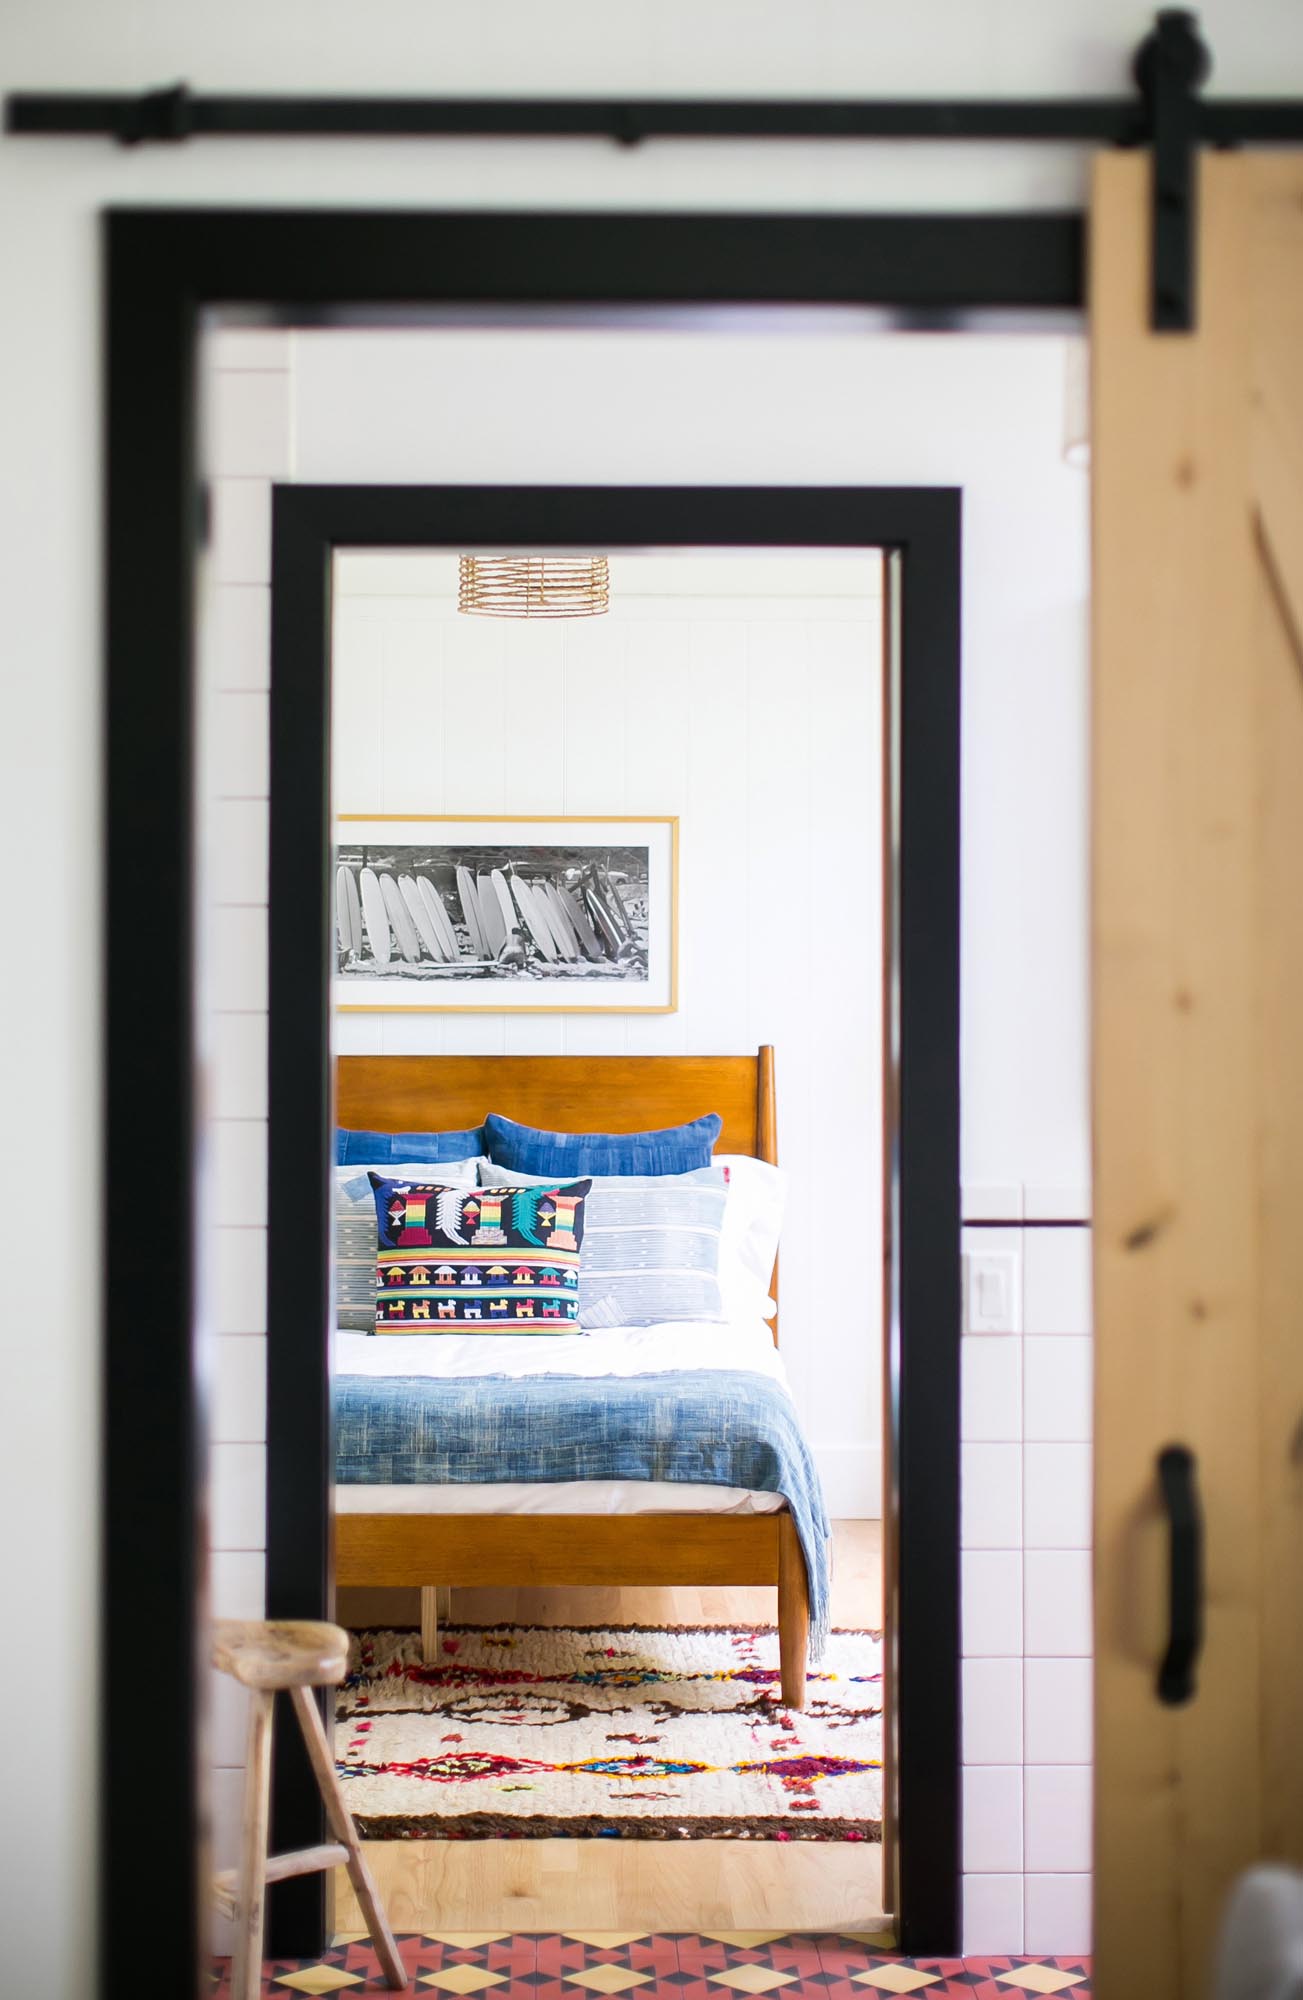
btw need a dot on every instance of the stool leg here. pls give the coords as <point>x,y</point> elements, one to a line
<point>250,1883</point>
<point>341,1825</point>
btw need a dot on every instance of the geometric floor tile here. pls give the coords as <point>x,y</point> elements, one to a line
<point>752,1979</point>
<point>652,1965</point>
<point>894,1979</point>
<point>462,1979</point>
<point>320,1979</point>
<point>1040,1979</point>
<point>607,1978</point>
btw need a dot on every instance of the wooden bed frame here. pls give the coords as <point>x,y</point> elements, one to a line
<point>575,1094</point>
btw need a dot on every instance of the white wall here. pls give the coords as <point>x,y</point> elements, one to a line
<point>50,193</point>
<point>841,407</point>
<point>744,695</point>
<point>1026,1532</point>
<point>245,405</point>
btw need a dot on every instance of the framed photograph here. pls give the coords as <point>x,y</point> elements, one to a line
<point>573,915</point>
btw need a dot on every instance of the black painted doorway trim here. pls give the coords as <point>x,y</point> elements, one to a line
<point>163,267</point>
<point>923,525</point>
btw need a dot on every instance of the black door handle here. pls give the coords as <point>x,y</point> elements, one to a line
<point>1176,1475</point>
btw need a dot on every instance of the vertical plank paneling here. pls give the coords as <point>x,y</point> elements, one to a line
<point>416,718</point>
<point>845,912</point>
<point>359,1034</point>
<point>657,731</point>
<point>714,857</point>
<point>410,1034</point>
<point>1280,1095</point>
<point>459,1034</point>
<point>594,763</point>
<point>594,740</point>
<point>358,646</point>
<point>658,709</point>
<point>534,672</point>
<point>534,1034</point>
<point>783,695</point>
<point>474,693</point>
<point>1178,1789</point>
<point>1278,646</point>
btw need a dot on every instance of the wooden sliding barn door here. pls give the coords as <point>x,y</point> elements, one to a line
<point>1198,1062</point>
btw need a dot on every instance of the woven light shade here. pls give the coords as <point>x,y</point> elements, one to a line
<point>533,586</point>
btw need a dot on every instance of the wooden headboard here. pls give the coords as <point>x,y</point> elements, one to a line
<point>564,1094</point>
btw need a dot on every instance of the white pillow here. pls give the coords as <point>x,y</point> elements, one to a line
<point>753,1216</point>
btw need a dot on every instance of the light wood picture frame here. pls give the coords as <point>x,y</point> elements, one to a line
<point>493,914</point>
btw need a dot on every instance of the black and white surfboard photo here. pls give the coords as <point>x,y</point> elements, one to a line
<point>551,913</point>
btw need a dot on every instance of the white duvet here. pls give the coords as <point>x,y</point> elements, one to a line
<point>622,1350</point>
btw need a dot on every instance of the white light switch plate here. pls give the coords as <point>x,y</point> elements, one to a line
<point>992,1292</point>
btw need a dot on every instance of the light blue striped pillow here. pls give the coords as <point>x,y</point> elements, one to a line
<point>651,1245</point>
<point>355,1234</point>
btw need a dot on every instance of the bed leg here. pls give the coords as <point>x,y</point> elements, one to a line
<point>430,1609</point>
<point>793,1614</point>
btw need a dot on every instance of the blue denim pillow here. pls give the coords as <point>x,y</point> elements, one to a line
<point>676,1150</point>
<point>377,1149</point>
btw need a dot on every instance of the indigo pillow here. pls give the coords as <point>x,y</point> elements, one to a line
<point>484,1259</point>
<point>676,1150</point>
<point>380,1149</point>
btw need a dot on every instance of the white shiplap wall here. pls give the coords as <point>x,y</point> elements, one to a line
<point>743,695</point>
<point>246,405</point>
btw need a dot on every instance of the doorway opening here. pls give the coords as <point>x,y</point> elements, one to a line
<point>909,522</point>
<point>399,610</point>
<point>627,1677</point>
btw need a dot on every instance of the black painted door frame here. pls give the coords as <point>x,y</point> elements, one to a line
<point>164,267</point>
<point>922,527</point>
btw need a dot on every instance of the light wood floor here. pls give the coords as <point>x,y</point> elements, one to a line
<point>528,1885</point>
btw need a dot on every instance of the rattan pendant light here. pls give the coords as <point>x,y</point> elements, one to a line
<point>533,586</point>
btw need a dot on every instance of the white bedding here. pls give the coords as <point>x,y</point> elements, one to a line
<point>626,1351</point>
<point>620,1350</point>
<point>569,1496</point>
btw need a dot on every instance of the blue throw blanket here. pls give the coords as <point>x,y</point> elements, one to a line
<point>717,1427</point>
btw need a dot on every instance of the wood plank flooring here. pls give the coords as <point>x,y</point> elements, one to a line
<point>664,1885</point>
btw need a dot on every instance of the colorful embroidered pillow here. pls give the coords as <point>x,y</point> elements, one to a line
<point>491,1259</point>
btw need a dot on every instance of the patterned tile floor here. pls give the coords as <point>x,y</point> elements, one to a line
<point>713,1965</point>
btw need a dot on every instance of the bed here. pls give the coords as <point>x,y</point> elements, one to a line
<point>618,1533</point>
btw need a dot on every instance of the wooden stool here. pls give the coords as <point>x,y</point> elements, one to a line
<point>265,1658</point>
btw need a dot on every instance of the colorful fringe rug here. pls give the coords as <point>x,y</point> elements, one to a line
<point>636,1732</point>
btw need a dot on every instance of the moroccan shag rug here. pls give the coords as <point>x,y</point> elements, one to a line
<point>635,1732</point>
